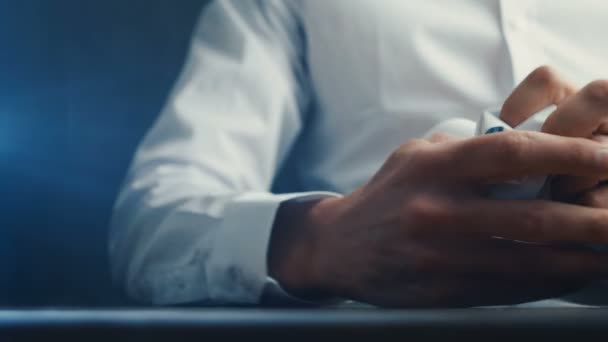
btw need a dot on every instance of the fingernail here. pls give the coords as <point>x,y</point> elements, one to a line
<point>602,158</point>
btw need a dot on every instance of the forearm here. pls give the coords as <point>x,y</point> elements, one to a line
<point>171,243</point>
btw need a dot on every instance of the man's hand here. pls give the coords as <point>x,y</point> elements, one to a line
<point>581,113</point>
<point>420,233</point>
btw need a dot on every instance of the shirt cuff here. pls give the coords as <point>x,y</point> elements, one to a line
<point>237,269</point>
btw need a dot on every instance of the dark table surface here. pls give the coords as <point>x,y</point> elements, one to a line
<point>248,324</point>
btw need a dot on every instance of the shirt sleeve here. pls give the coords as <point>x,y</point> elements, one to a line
<point>194,216</point>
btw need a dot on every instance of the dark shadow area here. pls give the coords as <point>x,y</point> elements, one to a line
<point>80,82</point>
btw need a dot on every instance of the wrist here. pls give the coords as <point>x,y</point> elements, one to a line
<point>296,255</point>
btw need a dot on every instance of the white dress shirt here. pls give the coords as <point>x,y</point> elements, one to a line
<point>323,91</point>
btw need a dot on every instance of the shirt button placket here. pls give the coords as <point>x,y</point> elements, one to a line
<point>515,26</point>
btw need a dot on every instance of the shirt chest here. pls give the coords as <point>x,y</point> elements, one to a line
<point>396,57</point>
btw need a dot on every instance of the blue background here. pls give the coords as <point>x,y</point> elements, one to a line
<point>80,82</point>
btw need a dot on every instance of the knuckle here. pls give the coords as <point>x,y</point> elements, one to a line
<point>548,78</point>
<point>513,145</point>
<point>412,151</point>
<point>593,199</point>
<point>597,91</point>
<point>581,150</point>
<point>439,137</point>
<point>423,212</point>
<point>544,76</point>
<point>409,161</point>
<point>597,229</point>
<point>578,155</point>
<point>413,145</point>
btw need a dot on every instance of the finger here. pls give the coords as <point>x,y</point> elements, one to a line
<point>516,154</point>
<point>498,259</point>
<point>596,198</point>
<point>581,114</point>
<point>442,137</point>
<point>567,188</point>
<point>543,87</point>
<point>534,221</point>
<point>601,133</point>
